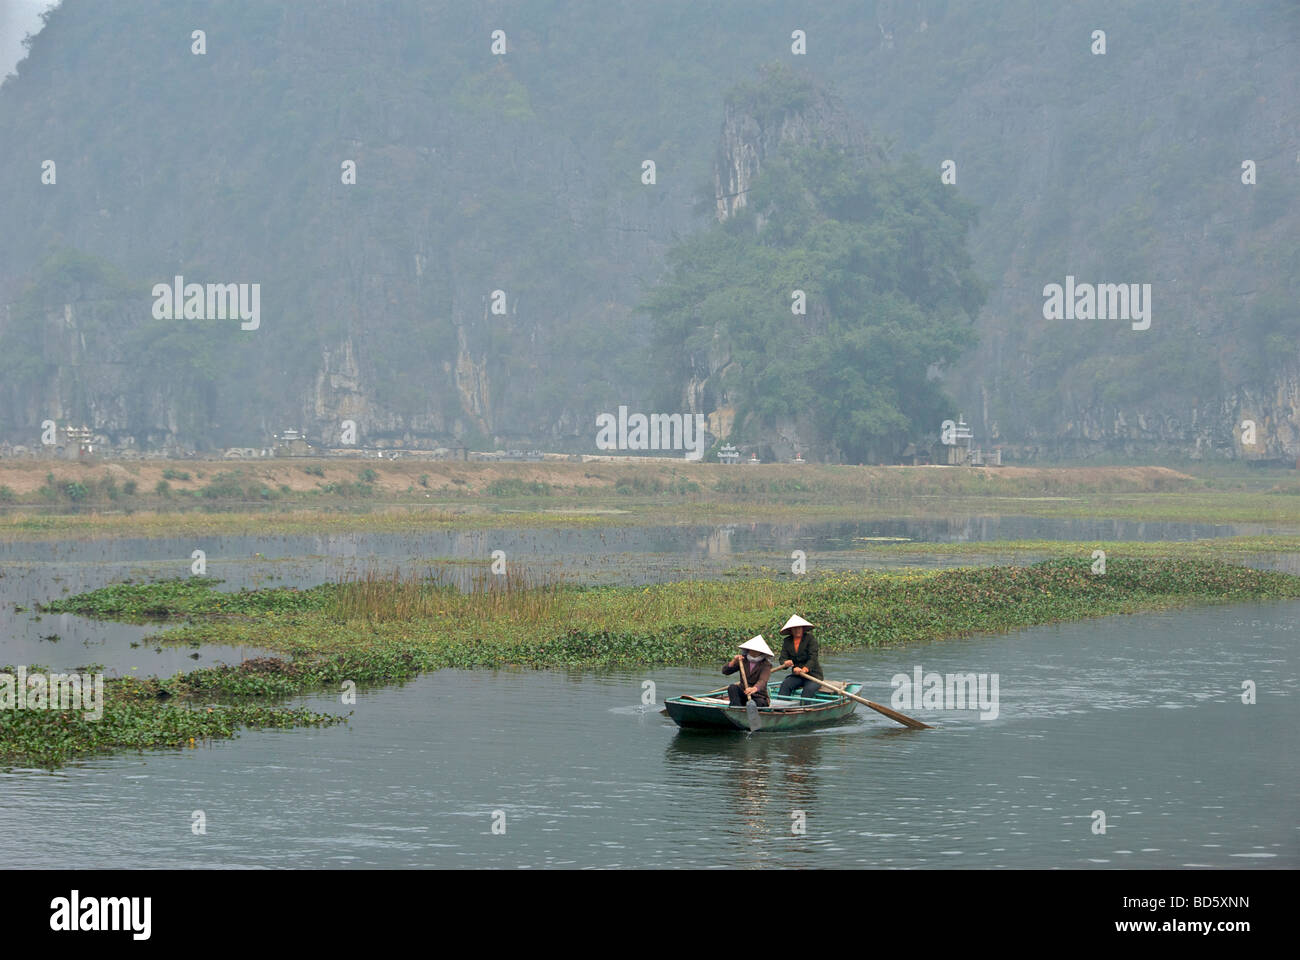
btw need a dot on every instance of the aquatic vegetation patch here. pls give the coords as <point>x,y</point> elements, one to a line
<point>183,597</point>
<point>854,608</point>
<point>137,715</point>
<point>515,619</point>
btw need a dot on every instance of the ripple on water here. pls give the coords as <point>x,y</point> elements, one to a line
<point>585,776</point>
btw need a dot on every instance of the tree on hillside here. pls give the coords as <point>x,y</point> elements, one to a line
<point>879,251</point>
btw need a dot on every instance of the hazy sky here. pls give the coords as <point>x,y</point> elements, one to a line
<point>17,19</point>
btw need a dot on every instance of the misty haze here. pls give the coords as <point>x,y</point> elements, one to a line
<point>669,435</point>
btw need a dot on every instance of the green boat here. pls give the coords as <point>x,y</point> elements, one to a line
<point>713,711</point>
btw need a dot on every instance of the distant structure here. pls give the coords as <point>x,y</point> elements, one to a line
<point>508,455</point>
<point>292,443</point>
<point>79,441</point>
<point>958,440</point>
<point>392,453</point>
<point>959,446</point>
<point>728,454</point>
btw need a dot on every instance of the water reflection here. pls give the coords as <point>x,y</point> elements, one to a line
<point>717,543</point>
<point>762,781</point>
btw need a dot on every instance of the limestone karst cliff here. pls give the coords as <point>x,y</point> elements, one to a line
<point>525,174</point>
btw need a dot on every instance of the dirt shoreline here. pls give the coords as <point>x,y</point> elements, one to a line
<point>27,476</point>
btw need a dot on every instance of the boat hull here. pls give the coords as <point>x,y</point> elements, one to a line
<point>693,713</point>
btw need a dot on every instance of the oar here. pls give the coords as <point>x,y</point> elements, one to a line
<point>751,708</point>
<point>891,714</point>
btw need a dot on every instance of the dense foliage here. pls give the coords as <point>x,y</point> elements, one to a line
<point>879,254</point>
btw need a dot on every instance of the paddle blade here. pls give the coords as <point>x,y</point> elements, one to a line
<point>755,719</point>
<point>899,717</point>
<point>902,718</point>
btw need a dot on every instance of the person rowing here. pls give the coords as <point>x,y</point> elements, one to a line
<point>756,659</point>
<point>799,654</point>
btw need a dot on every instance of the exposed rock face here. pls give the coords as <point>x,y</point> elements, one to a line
<point>472,385</point>
<point>1060,194</point>
<point>750,134</point>
<point>85,350</point>
<point>472,174</point>
<point>339,395</point>
<point>1213,431</point>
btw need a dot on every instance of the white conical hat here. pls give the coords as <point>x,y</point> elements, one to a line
<point>796,621</point>
<point>758,645</point>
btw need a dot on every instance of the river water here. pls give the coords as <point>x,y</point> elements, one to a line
<point>1135,720</point>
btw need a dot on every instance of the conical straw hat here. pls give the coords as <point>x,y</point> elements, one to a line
<point>796,621</point>
<point>758,645</point>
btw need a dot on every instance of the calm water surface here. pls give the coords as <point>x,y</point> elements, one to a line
<point>1139,717</point>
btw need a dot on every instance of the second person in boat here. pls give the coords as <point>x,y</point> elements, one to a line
<point>799,654</point>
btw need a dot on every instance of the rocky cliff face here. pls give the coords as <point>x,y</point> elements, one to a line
<point>1112,169</point>
<point>1269,418</point>
<point>753,131</point>
<point>90,377</point>
<point>478,173</point>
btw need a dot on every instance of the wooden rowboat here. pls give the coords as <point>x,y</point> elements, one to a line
<point>712,710</point>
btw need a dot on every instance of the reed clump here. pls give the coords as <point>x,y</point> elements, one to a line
<point>476,595</point>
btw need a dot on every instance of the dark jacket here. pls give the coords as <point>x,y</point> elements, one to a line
<point>807,655</point>
<point>757,676</point>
